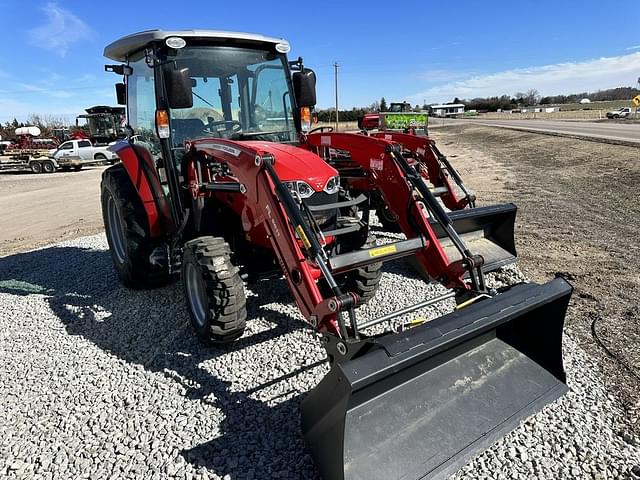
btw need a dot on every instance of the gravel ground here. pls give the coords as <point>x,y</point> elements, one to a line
<point>103,382</point>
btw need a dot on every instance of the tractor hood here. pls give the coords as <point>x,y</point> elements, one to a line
<point>295,163</point>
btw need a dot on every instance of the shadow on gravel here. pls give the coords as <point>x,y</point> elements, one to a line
<point>150,328</point>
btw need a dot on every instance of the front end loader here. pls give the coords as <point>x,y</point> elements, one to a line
<point>222,179</point>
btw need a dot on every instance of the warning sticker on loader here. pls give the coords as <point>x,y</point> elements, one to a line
<point>386,250</point>
<point>303,237</point>
<point>376,164</point>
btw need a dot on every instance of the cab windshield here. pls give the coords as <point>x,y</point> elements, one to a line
<point>238,93</point>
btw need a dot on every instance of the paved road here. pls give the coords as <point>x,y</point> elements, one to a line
<point>609,131</point>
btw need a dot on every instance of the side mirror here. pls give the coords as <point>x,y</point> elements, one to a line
<point>121,93</point>
<point>304,88</point>
<point>178,83</point>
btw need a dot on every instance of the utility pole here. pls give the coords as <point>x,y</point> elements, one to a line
<point>635,112</point>
<point>335,75</point>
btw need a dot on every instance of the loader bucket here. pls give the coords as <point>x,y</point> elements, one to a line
<point>487,231</point>
<point>433,396</point>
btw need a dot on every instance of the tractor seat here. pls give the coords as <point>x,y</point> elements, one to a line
<point>187,129</point>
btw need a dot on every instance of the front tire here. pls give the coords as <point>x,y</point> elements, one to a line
<point>363,281</point>
<point>128,234</point>
<point>214,290</point>
<point>387,219</point>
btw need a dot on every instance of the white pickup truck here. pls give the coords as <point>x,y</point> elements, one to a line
<point>76,153</point>
<point>623,112</point>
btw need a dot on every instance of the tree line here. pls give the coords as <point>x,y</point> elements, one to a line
<point>532,97</point>
<point>502,102</point>
<point>46,124</point>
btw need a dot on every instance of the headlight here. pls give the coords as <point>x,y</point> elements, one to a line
<point>299,188</point>
<point>332,185</point>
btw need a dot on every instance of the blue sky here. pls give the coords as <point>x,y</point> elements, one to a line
<point>51,55</point>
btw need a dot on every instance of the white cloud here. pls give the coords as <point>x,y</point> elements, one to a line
<point>61,30</point>
<point>634,47</point>
<point>572,77</point>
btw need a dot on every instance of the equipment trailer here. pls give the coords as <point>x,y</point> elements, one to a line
<point>222,179</point>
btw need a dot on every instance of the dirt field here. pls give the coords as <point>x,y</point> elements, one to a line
<point>40,209</point>
<point>578,217</point>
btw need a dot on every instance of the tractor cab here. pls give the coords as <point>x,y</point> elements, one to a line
<point>182,86</point>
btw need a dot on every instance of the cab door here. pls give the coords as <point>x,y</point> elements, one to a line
<point>85,150</point>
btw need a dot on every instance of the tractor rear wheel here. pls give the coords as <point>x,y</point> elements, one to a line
<point>214,290</point>
<point>127,229</point>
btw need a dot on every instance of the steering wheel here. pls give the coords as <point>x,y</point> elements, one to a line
<point>236,126</point>
<point>321,130</point>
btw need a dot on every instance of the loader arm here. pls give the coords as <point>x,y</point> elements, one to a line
<point>439,171</point>
<point>379,160</point>
<point>487,231</point>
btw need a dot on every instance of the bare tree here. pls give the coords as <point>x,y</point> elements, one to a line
<point>532,97</point>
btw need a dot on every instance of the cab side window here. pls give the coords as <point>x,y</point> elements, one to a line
<point>142,104</point>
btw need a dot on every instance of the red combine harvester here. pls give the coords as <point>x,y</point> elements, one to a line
<point>223,178</point>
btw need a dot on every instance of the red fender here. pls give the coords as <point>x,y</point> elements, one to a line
<point>147,184</point>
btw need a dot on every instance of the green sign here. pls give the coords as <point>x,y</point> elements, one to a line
<point>401,121</point>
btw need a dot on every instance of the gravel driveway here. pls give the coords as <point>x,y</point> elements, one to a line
<point>102,382</point>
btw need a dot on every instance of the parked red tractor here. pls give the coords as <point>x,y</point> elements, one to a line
<point>222,178</point>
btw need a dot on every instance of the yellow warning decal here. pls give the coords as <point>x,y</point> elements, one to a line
<point>376,252</point>
<point>303,237</point>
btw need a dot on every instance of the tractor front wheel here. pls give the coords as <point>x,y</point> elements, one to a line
<point>214,290</point>
<point>364,281</point>
<point>387,219</point>
<point>127,229</point>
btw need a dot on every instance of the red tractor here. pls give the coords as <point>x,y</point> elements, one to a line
<point>220,178</point>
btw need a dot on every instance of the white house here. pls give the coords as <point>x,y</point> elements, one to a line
<point>447,110</point>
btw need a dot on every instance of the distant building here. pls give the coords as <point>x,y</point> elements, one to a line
<point>540,109</point>
<point>585,100</point>
<point>447,110</point>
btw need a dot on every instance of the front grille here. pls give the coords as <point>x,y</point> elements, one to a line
<point>326,218</point>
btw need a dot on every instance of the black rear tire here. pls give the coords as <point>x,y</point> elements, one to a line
<point>36,167</point>
<point>214,290</point>
<point>128,234</point>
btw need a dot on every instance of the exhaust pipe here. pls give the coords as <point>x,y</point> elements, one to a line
<point>421,403</point>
